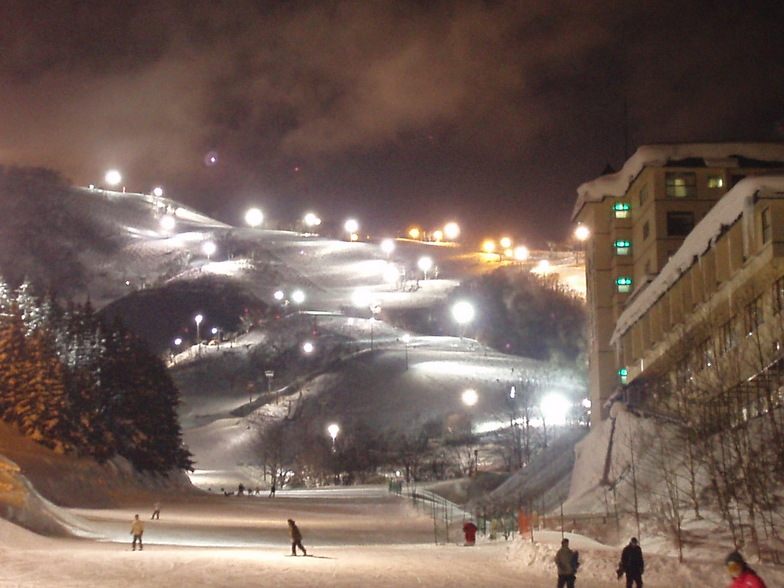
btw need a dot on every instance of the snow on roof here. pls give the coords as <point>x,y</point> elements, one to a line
<point>715,154</point>
<point>726,211</point>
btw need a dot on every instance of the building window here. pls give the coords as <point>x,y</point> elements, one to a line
<point>643,194</point>
<point>704,355</point>
<point>680,184</point>
<point>728,340</point>
<point>623,375</point>
<point>622,247</point>
<point>646,230</point>
<point>624,285</point>
<point>621,210</point>
<point>715,182</point>
<point>752,316</point>
<point>778,295</point>
<point>766,232</point>
<point>679,223</point>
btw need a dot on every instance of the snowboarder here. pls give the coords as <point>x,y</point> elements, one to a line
<point>632,564</point>
<point>156,511</point>
<point>744,576</point>
<point>296,538</point>
<point>272,491</point>
<point>137,530</point>
<point>469,530</point>
<point>564,559</point>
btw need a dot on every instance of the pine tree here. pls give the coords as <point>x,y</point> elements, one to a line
<point>13,364</point>
<point>41,410</point>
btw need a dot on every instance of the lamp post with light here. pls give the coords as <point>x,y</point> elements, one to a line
<point>197,319</point>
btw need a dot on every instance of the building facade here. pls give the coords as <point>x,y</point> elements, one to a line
<point>679,238</point>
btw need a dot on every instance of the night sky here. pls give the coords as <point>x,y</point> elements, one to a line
<point>396,112</point>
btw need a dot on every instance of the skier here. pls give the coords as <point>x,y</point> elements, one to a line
<point>744,576</point>
<point>469,530</point>
<point>296,538</point>
<point>632,564</point>
<point>137,530</point>
<point>564,559</point>
<point>156,511</point>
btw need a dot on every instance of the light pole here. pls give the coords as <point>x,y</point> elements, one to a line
<point>209,249</point>
<point>198,318</point>
<point>581,233</point>
<point>406,339</point>
<point>333,431</point>
<point>463,313</point>
<point>351,227</point>
<point>425,263</point>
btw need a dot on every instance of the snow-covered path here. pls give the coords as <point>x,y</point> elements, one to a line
<point>356,537</point>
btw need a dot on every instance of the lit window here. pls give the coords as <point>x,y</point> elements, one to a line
<point>621,210</point>
<point>715,182</point>
<point>623,247</point>
<point>623,375</point>
<point>680,184</point>
<point>624,285</point>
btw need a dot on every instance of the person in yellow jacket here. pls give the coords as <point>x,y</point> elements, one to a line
<point>137,530</point>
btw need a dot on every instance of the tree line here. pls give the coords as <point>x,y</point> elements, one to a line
<point>79,386</point>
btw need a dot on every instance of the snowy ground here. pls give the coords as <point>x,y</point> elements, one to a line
<point>354,536</point>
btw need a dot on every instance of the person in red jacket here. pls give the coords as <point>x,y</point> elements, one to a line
<point>744,576</point>
<point>469,530</point>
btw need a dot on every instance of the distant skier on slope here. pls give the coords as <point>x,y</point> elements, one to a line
<point>296,538</point>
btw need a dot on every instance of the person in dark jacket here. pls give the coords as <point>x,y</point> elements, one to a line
<point>632,564</point>
<point>296,538</point>
<point>469,531</point>
<point>564,560</point>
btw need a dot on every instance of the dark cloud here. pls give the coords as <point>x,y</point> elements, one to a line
<point>396,111</point>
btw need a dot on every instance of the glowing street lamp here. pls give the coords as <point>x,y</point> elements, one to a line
<point>581,233</point>
<point>451,231</point>
<point>425,264</point>
<point>254,217</point>
<point>157,191</point>
<point>113,177</point>
<point>388,246</point>
<point>351,226</point>
<point>298,297</point>
<point>470,397</point>
<point>209,248</point>
<point>414,233</point>
<point>553,409</point>
<point>521,253</point>
<point>168,223</point>
<point>333,431</point>
<point>438,236</point>
<point>311,221</point>
<point>308,347</point>
<point>463,313</point>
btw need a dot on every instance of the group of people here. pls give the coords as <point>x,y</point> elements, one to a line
<point>632,565</point>
<point>137,531</point>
